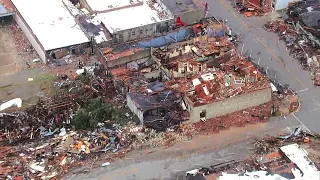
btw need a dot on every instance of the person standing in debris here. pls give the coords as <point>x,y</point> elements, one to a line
<point>28,65</point>
<point>80,66</point>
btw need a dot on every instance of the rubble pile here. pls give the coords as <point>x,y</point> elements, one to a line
<point>51,155</point>
<point>148,138</point>
<point>305,14</point>
<point>253,7</point>
<point>300,47</point>
<point>270,144</point>
<point>47,139</point>
<point>58,149</point>
<point>274,158</point>
<point>252,115</point>
<point>42,141</point>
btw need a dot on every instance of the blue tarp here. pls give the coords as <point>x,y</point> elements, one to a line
<point>215,33</point>
<point>172,37</point>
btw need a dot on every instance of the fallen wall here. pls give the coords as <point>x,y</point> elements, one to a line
<point>229,105</point>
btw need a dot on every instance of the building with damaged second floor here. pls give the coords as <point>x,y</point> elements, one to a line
<point>147,96</point>
<point>213,78</point>
<point>199,79</point>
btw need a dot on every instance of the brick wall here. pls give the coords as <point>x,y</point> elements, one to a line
<point>229,105</point>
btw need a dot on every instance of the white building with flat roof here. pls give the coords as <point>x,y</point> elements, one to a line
<point>48,25</point>
<point>111,5</point>
<point>130,20</point>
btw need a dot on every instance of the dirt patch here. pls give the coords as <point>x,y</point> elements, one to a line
<point>15,49</point>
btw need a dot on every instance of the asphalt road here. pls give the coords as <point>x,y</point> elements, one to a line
<point>266,50</point>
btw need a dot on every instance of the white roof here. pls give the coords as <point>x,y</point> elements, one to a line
<point>51,22</point>
<point>129,18</point>
<point>99,5</point>
<point>258,175</point>
<point>300,157</point>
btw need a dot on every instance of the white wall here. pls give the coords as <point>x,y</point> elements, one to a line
<point>132,106</point>
<point>30,37</point>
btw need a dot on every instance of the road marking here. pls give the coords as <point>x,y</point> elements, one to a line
<point>301,123</point>
<point>303,90</point>
<point>263,44</point>
<point>315,109</point>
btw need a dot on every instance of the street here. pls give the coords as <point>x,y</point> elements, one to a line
<point>233,144</point>
<point>271,54</point>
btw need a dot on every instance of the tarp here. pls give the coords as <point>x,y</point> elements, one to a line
<point>170,38</point>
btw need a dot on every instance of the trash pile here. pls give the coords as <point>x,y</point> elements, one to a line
<point>84,121</point>
<point>253,7</point>
<point>44,148</point>
<point>42,152</point>
<point>237,119</point>
<point>270,143</point>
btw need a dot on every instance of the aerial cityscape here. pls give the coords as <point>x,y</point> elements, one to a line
<point>159,89</point>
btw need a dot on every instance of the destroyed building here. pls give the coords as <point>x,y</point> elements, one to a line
<point>206,71</point>
<point>159,109</point>
<point>115,22</point>
<point>148,97</point>
<point>210,74</point>
<point>50,28</point>
<point>214,92</point>
<point>116,55</point>
<point>306,17</point>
